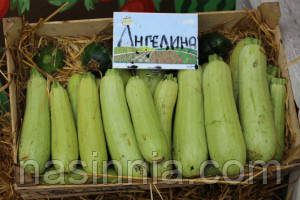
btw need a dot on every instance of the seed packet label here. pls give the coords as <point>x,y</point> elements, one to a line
<point>155,40</point>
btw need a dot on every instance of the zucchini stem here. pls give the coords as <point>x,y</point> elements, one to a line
<point>214,57</point>
<point>170,77</point>
<point>249,40</point>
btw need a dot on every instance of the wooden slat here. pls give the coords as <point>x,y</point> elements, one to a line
<point>11,28</point>
<point>86,27</point>
<point>61,191</point>
<point>209,20</point>
<point>270,13</point>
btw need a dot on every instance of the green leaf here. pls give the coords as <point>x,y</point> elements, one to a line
<point>229,5</point>
<point>90,4</point>
<point>27,5</point>
<point>193,6</point>
<point>212,5</point>
<point>190,6</point>
<point>12,5</point>
<point>56,2</point>
<point>20,6</point>
<point>121,3</point>
<point>23,5</point>
<point>178,4</point>
<point>157,4</point>
<point>61,2</point>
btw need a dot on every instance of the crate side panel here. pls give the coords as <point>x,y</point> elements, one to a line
<point>11,29</point>
<point>38,192</point>
<point>294,153</point>
<point>210,20</point>
<point>75,27</point>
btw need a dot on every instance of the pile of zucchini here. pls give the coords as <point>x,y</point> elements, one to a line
<point>225,113</point>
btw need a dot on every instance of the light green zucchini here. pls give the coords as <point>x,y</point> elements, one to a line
<point>223,130</point>
<point>211,170</point>
<point>255,106</point>
<point>234,66</point>
<point>92,146</point>
<point>35,134</point>
<point>64,141</point>
<point>54,177</point>
<point>165,97</point>
<point>72,88</point>
<point>118,127</point>
<point>189,139</point>
<point>149,133</point>
<point>278,94</point>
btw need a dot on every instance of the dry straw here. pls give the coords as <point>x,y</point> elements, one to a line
<point>28,45</point>
<point>6,145</point>
<point>202,192</point>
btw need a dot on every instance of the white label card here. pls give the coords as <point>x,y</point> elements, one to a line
<point>155,40</point>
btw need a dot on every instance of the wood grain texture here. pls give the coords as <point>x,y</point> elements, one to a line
<point>60,191</point>
<point>291,104</point>
<point>85,27</point>
<point>11,29</point>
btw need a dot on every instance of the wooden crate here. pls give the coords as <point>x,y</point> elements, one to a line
<point>270,12</point>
